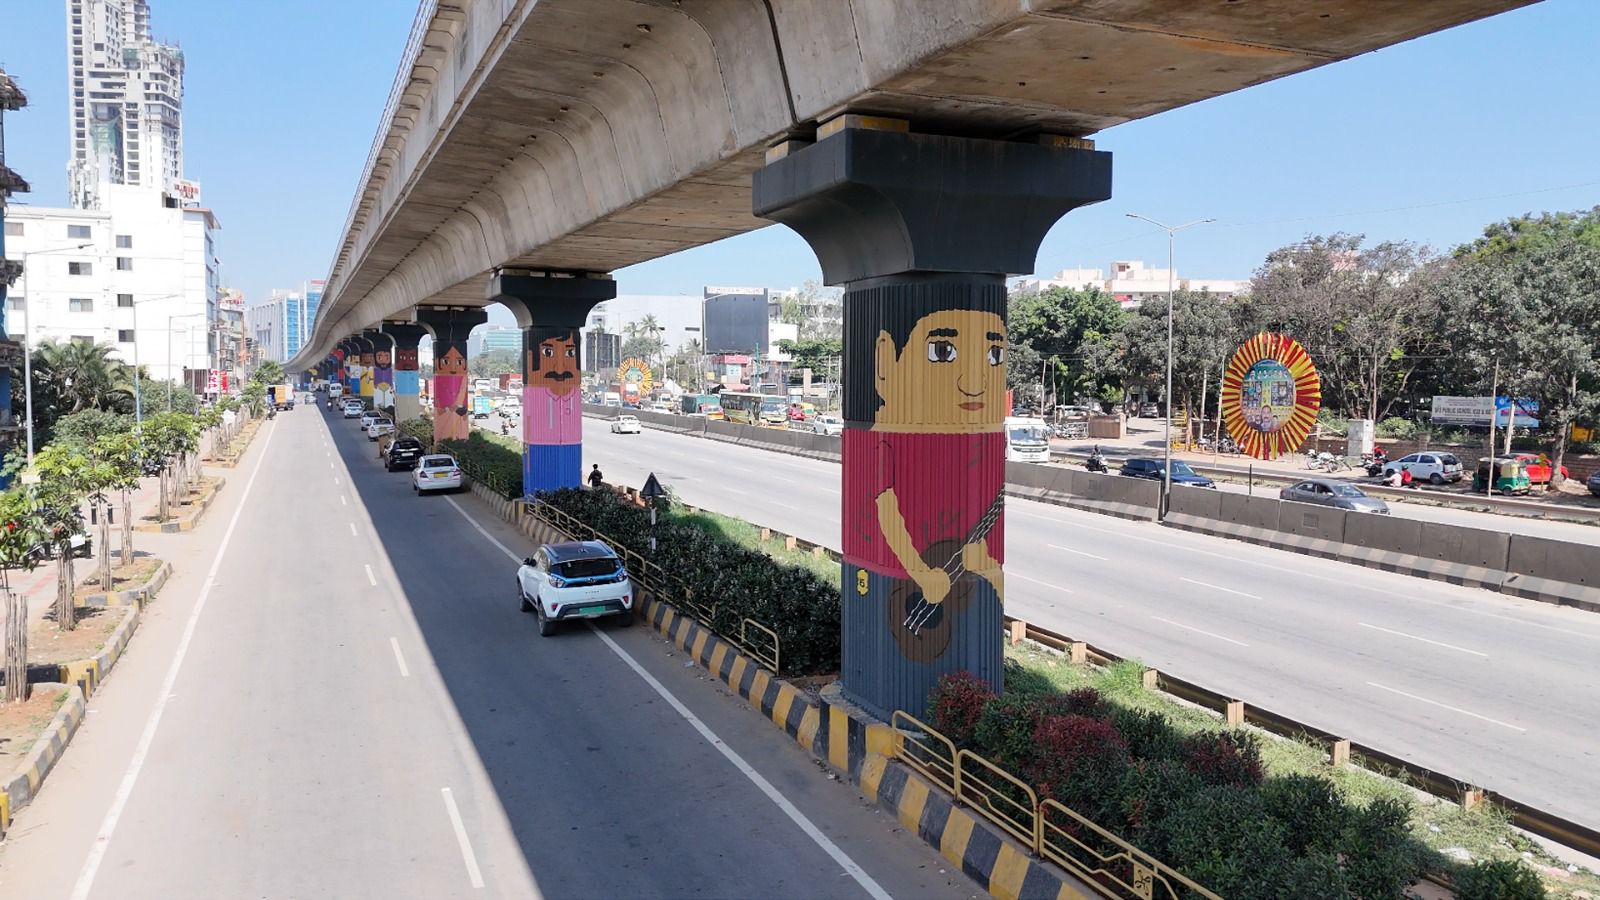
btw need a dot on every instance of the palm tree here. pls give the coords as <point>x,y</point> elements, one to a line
<point>82,375</point>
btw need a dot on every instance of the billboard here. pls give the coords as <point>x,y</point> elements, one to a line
<point>1476,411</point>
<point>736,323</point>
<point>1270,395</point>
<point>186,191</point>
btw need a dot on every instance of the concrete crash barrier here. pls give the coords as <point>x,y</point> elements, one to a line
<point>1553,571</point>
<point>1314,530</point>
<point>1114,495</point>
<point>1469,556</point>
<point>1382,542</point>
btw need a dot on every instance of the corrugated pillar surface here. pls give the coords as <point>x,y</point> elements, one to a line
<point>552,409</point>
<point>923,485</point>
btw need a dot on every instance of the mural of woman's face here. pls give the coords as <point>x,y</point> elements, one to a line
<point>453,362</point>
<point>553,363</point>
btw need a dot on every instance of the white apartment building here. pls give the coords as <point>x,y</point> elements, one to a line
<point>678,316</point>
<point>1131,282</point>
<point>126,93</point>
<point>267,325</point>
<point>140,275</point>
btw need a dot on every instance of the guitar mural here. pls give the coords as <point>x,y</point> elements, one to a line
<point>923,486</point>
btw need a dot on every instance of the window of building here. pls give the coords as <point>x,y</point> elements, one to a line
<point>15,303</point>
<point>80,304</point>
<point>14,229</point>
<point>124,301</point>
<point>125,335</point>
<point>124,242</point>
<point>80,268</point>
<point>124,264</point>
<point>79,232</point>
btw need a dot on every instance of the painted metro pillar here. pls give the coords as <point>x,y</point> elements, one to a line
<point>551,307</point>
<point>382,368</point>
<point>352,367</point>
<point>922,230</point>
<point>367,343</point>
<point>336,363</point>
<point>407,384</point>
<point>450,326</point>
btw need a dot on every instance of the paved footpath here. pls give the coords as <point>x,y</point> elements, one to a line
<point>336,696</point>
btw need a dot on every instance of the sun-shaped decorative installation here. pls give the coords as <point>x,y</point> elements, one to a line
<point>1270,395</point>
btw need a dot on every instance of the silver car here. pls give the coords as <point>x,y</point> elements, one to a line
<point>1335,493</point>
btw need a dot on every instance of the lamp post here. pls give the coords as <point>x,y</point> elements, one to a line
<point>27,337</point>
<point>169,350</point>
<point>138,399</point>
<point>1171,230</point>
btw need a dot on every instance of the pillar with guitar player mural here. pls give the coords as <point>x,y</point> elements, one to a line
<point>922,231</point>
<point>450,326</point>
<point>551,307</point>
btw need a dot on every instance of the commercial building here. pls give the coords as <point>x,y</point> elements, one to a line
<point>1131,282</point>
<point>140,274</point>
<point>126,102</point>
<point>282,322</point>
<point>498,337</point>
<point>602,350</point>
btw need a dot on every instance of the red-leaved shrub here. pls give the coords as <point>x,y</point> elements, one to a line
<point>1230,757</point>
<point>956,704</point>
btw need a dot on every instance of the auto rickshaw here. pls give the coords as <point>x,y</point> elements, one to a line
<point>1505,474</point>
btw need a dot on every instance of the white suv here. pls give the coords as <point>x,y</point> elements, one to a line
<point>354,409</point>
<point>1435,467</point>
<point>574,580</point>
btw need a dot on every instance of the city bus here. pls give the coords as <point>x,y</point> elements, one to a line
<point>754,409</point>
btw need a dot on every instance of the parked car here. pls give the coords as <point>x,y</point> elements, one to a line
<point>1594,484</point>
<point>1539,470</point>
<point>1335,493</point>
<point>403,453</point>
<point>1142,467</point>
<point>354,409</point>
<point>1434,467</point>
<point>510,406</point>
<point>626,425</point>
<point>574,580</point>
<point>378,427</point>
<point>827,423</point>
<point>1149,411</point>
<point>436,473</point>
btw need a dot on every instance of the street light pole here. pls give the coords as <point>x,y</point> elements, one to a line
<point>1171,230</point>
<point>172,382</point>
<point>27,338</point>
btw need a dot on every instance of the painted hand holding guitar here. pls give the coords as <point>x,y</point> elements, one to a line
<point>920,618</point>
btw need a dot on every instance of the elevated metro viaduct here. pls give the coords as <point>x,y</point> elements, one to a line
<point>923,150</point>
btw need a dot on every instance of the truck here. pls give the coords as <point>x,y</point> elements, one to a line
<point>481,407</point>
<point>483,385</point>
<point>510,381</point>
<point>700,405</point>
<point>280,396</point>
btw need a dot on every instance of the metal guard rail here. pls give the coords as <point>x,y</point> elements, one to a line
<point>766,649</point>
<point>1080,846</point>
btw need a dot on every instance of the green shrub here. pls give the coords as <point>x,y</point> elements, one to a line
<point>1147,794</point>
<point>1396,428</point>
<point>740,583</point>
<point>1505,879</point>
<point>497,467</point>
<point>1313,814</point>
<point>1223,838</point>
<point>1148,734</point>
<point>80,429</point>
<point>1383,859</point>
<point>419,428</point>
<point>1319,875</point>
<point>1004,732</point>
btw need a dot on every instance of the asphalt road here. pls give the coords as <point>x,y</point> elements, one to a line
<point>358,709</point>
<point>1491,689</point>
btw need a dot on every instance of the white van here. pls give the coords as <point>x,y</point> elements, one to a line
<point>1027,439</point>
<point>335,390</point>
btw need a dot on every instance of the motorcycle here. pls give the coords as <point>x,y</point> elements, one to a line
<point>1096,462</point>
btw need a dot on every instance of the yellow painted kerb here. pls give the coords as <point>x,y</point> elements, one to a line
<point>838,738</point>
<point>700,644</point>
<point>718,654</point>
<point>957,832</point>
<point>758,687</point>
<point>780,709</point>
<point>809,722</point>
<point>1010,868</point>
<point>871,773</point>
<point>913,799</point>
<point>736,674</point>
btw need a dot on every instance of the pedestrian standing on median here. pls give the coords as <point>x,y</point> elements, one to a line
<point>596,480</point>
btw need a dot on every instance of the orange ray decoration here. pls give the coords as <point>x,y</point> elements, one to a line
<point>1270,395</point>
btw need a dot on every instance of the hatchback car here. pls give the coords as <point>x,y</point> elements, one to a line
<point>353,409</point>
<point>1435,467</point>
<point>1140,467</point>
<point>403,454</point>
<point>1335,493</point>
<point>827,424</point>
<point>378,427</point>
<point>574,580</point>
<point>1539,468</point>
<point>436,473</point>
<point>626,425</point>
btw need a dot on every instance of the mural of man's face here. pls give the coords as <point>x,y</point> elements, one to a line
<point>951,373</point>
<point>554,364</point>
<point>406,359</point>
<point>453,362</point>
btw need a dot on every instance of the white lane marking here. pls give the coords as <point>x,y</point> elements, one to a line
<point>1422,639</point>
<point>795,815</point>
<point>473,875</point>
<point>370,579</point>
<point>1210,634</point>
<point>1040,583</point>
<point>335,481</point>
<point>785,506</point>
<point>1216,587</point>
<point>342,501</point>
<point>399,658</point>
<point>1079,552</point>
<point>1456,709</point>
<point>799,818</point>
<point>353,529</point>
<point>119,801</point>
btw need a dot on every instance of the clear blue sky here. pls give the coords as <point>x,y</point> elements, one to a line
<point>1426,141</point>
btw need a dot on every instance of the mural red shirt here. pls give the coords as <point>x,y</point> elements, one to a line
<point>944,483</point>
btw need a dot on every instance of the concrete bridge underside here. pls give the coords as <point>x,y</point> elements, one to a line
<point>594,134</point>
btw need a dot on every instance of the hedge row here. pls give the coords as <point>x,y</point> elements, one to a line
<point>499,468</point>
<point>741,583</point>
<point>1198,802</point>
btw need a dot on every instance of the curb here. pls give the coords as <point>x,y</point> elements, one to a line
<point>232,461</point>
<point>136,596</point>
<point>83,677</point>
<point>46,752</point>
<point>834,733</point>
<point>192,518</point>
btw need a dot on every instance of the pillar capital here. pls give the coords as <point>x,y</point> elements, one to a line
<point>406,335</point>
<point>875,202</point>
<point>560,299</point>
<point>451,324</point>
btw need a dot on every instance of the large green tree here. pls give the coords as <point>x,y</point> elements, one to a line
<point>493,363</point>
<point>1205,329</point>
<point>268,371</point>
<point>1369,316</point>
<point>1054,336</point>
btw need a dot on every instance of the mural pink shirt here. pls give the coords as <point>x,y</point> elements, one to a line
<point>549,418</point>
